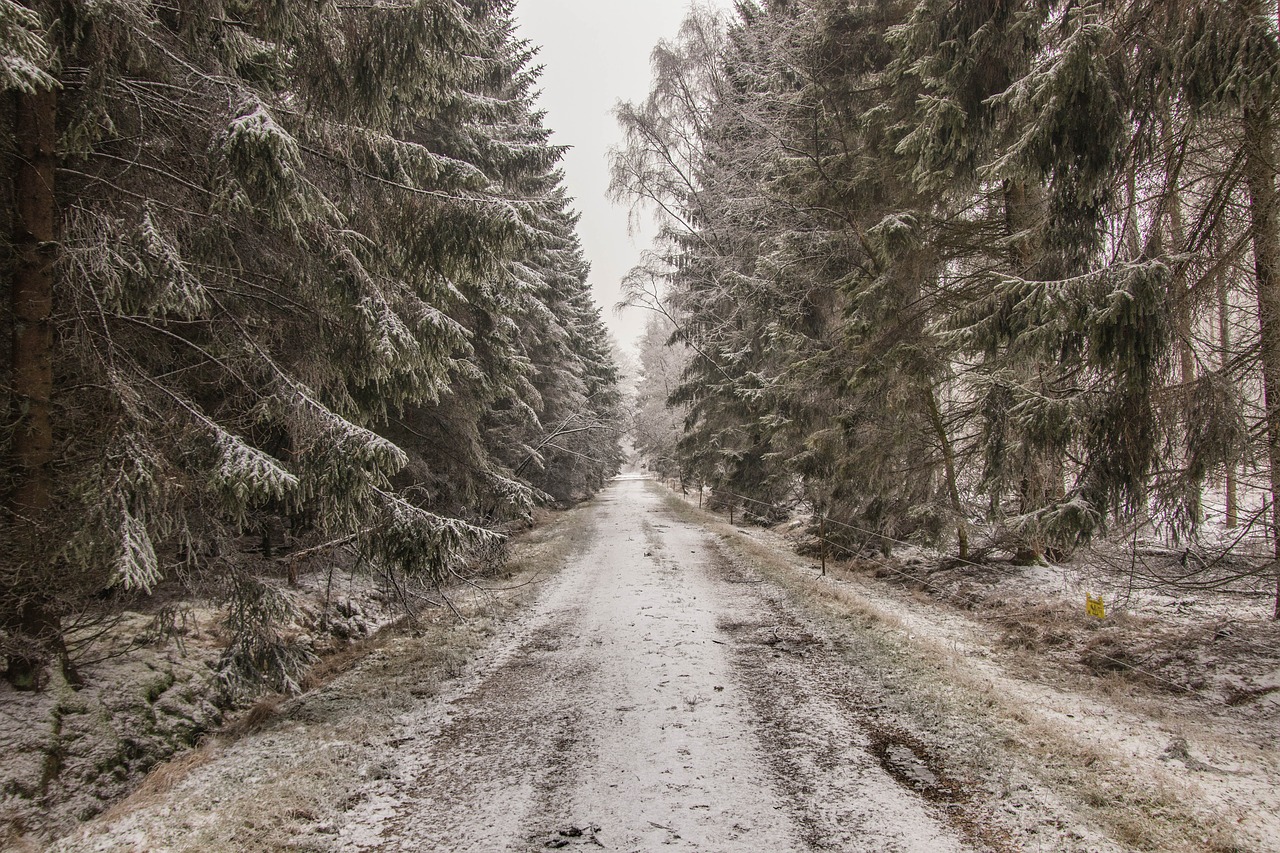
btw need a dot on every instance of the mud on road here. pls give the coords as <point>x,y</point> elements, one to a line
<point>659,693</point>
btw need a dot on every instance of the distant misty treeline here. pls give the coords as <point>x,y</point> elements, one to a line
<point>299,270</point>
<point>926,262</point>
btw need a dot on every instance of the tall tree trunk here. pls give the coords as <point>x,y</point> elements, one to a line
<point>1177,239</point>
<point>1037,473</point>
<point>31,449</point>
<point>949,468</point>
<point>822,537</point>
<point>1132,239</point>
<point>1224,344</point>
<point>1264,220</point>
<point>1182,305</point>
<point>1017,206</point>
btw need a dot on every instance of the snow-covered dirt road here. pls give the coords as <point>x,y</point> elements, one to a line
<point>637,705</point>
<point>663,689</point>
<point>623,715</point>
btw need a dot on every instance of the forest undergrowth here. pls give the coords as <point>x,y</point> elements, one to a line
<point>163,713</point>
<point>1217,645</point>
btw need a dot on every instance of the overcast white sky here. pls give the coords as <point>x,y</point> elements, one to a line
<point>596,52</point>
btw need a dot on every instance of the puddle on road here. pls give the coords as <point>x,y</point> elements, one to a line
<point>779,637</point>
<point>567,837</point>
<point>914,771</point>
<point>910,764</point>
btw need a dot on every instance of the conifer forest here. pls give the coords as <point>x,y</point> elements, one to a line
<point>295,268</point>
<point>931,266</point>
<point>938,508</point>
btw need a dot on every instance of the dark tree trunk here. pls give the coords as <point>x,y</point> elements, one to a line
<point>1224,344</point>
<point>1183,306</point>
<point>1264,231</point>
<point>31,449</point>
<point>1024,258</point>
<point>949,468</point>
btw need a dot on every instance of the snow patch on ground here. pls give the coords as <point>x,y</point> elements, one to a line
<point>73,751</point>
<point>1171,693</point>
<point>666,691</point>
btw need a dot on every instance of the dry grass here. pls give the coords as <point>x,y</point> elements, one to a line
<point>255,719</point>
<point>258,793</point>
<point>289,793</point>
<point>164,778</point>
<point>1146,810</point>
<point>341,660</point>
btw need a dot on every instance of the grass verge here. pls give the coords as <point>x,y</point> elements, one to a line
<point>281,777</point>
<point>985,728</point>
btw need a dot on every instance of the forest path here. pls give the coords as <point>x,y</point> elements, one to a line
<point>633,709</point>
<point>655,678</point>
<point>652,694</point>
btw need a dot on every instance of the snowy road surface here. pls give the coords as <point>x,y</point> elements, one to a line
<point>652,700</point>
<point>654,678</point>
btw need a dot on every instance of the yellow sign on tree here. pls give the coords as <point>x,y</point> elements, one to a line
<point>1094,606</point>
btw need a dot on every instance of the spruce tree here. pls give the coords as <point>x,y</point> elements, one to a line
<point>272,272</point>
<point>928,253</point>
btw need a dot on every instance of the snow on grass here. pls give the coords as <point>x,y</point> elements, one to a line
<point>288,770</point>
<point>1044,733</point>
